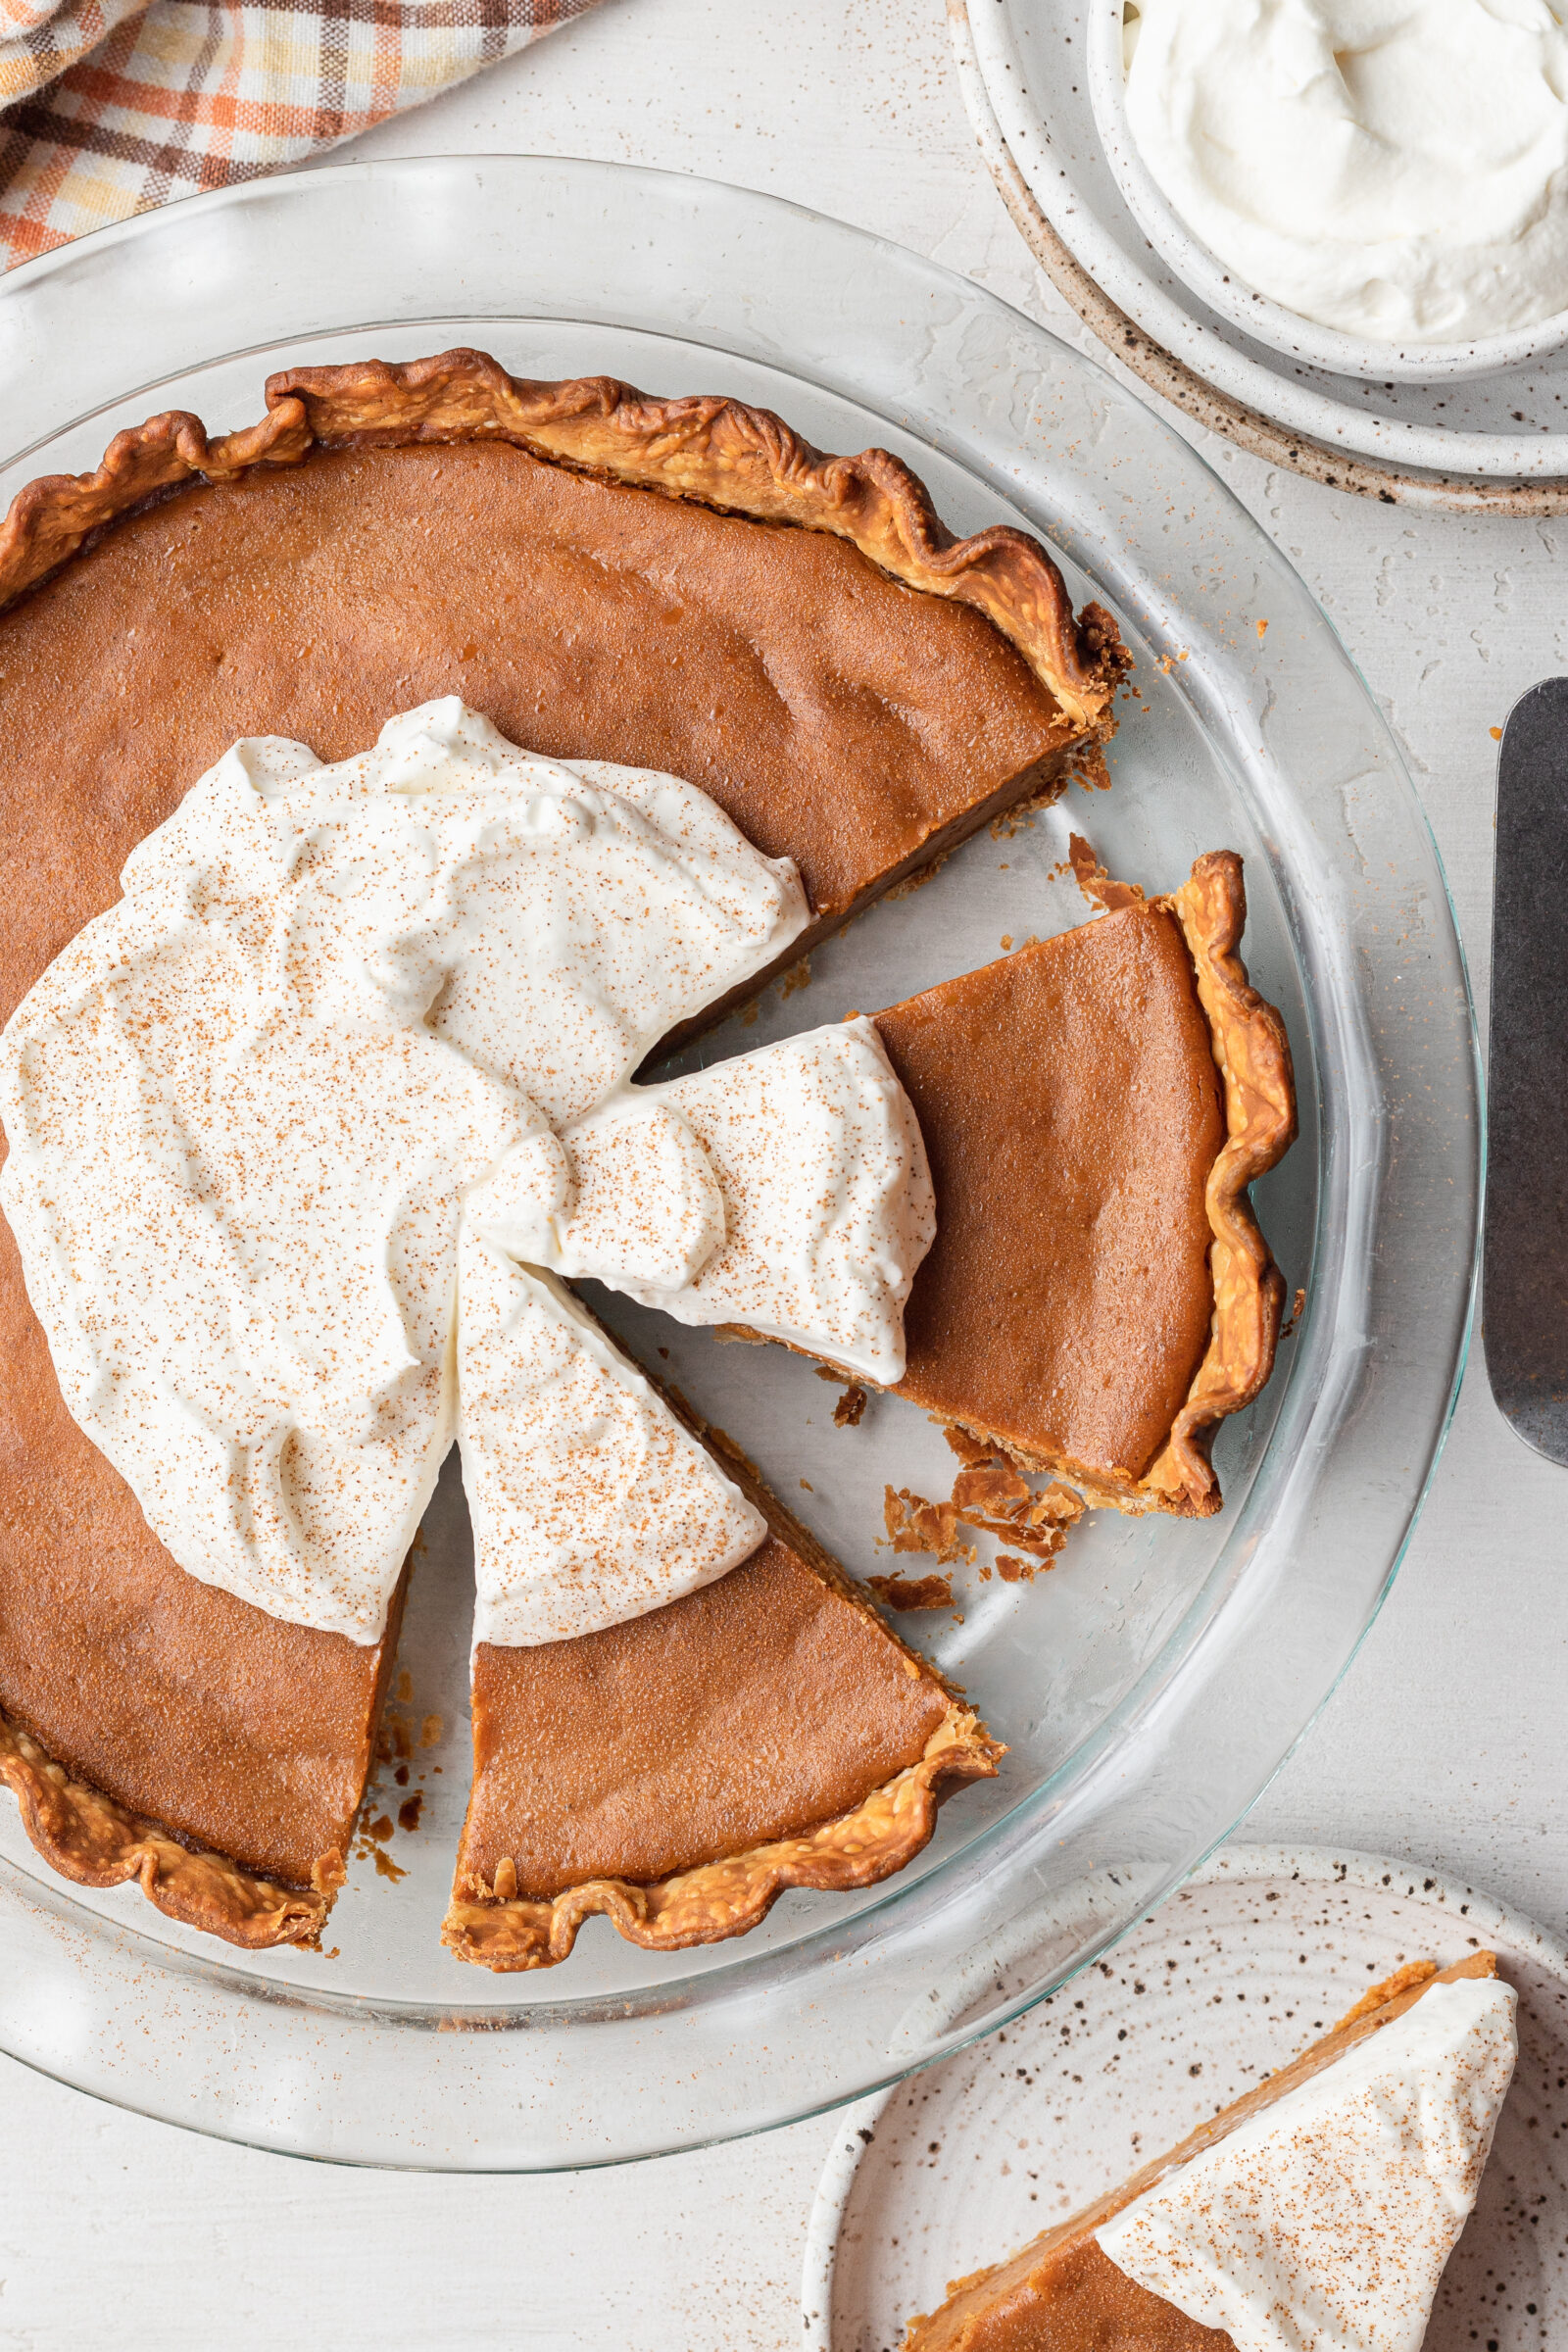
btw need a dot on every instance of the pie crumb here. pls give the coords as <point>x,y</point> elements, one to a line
<point>914,1592</point>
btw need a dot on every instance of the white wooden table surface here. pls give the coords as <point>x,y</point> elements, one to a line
<point>1449,1741</point>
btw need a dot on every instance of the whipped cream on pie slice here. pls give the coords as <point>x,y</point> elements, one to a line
<point>590,1502</point>
<point>1323,2223</point>
<point>352,1023</point>
<point>816,1211</point>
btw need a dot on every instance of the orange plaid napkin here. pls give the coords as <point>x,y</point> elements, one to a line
<point>110,107</point>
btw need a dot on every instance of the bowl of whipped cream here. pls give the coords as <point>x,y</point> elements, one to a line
<point>1374,187</point>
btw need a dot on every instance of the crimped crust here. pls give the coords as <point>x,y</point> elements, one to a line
<point>88,1837</point>
<point>1253,1054</point>
<point>720,1899</point>
<point>718,452</point>
<point>53,517</point>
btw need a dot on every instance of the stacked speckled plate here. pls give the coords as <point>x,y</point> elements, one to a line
<point>1484,444</point>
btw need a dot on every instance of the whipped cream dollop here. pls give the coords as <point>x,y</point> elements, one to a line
<point>1395,168</point>
<point>833,1260</point>
<point>1323,2223</point>
<point>304,1129</point>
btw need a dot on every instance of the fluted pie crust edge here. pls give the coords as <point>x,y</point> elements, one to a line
<point>730,1897</point>
<point>716,452</point>
<point>88,1837</point>
<point>1254,1056</point>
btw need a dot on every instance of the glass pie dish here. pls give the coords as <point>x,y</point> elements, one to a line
<point>1149,1686</point>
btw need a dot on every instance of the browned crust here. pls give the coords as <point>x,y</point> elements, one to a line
<point>720,1899</point>
<point>88,1837</point>
<point>53,519</point>
<point>948,2329</point>
<point>1253,1054</point>
<point>718,452</point>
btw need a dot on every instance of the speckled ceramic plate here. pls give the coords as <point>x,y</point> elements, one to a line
<point>1262,1950</point>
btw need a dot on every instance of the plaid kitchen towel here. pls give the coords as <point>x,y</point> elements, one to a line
<point>110,107</point>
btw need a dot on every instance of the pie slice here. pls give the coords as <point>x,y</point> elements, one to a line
<point>679,585</point>
<point>679,1771</point>
<point>1320,2208</point>
<point>1099,1295</point>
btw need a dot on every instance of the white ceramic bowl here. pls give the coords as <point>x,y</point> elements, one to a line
<point>1230,297</point>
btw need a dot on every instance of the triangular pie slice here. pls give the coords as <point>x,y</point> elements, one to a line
<point>682,585</point>
<point>1099,1295</point>
<point>1320,2208</point>
<point>679,1771</point>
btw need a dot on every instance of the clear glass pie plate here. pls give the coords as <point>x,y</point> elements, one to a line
<point>1151,1683</point>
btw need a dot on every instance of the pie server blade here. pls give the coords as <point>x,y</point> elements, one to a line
<point>1525,1238</point>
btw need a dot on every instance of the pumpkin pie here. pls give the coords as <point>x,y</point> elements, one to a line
<point>682,585</point>
<point>1099,1295</point>
<point>1305,2202</point>
<point>620,1773</point>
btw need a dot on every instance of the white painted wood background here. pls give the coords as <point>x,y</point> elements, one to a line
<point>1449,1741</point>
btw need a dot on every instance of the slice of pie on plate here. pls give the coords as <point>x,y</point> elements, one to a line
<point>681,586</point>
<point>1318,2210</point>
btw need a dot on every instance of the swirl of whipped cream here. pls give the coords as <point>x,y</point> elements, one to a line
<point>1395,168</point>
<point>355,1028</point>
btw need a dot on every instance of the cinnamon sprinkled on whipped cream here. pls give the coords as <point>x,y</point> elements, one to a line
<point>1323,2223</point>
<point>300,1128</point>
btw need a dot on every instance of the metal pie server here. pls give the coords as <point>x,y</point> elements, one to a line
<point>1525,1238</point>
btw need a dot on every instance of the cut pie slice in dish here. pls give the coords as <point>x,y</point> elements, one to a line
<point>679,1771</point>
<point>681,586</point>
<point>1099,1295</point>
<point>1318,2210</point>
